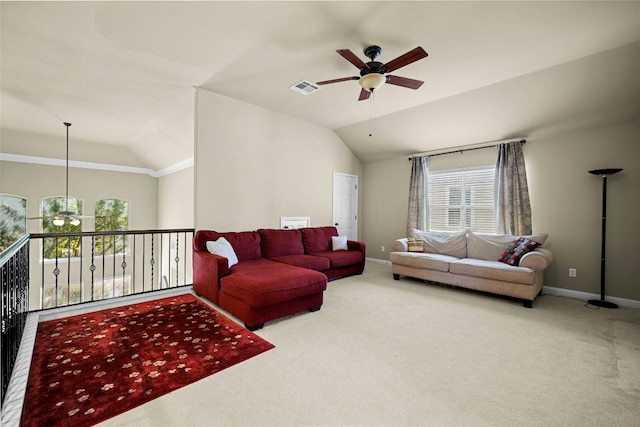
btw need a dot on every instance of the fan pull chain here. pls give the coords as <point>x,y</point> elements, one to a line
<point>371,103</point>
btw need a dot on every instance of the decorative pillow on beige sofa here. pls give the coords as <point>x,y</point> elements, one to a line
<point>490,247</point>
<point>517,249</point>
<point>440,242</point>
<point>415,245</point>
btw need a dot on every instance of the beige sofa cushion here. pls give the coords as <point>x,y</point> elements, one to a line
<point>493,270</point>
<point>490,247</point>
<point>436,242</point>
<point>422,261</point>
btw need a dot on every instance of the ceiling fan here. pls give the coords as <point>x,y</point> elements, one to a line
<point>372,73</point>
<point>66,216</point>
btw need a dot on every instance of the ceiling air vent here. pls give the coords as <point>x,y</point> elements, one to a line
<point>304,87</point>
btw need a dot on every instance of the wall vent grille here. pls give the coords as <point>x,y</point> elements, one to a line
<point>304,87</point>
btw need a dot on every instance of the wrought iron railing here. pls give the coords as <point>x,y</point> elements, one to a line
<point>75,268</point>
<point>14,263</point>
<point>44,271</point>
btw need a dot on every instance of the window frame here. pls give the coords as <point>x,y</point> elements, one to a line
<point>20,220</point>
<point>125,245</point>
<point>476,208</point>
<point>44,213</point>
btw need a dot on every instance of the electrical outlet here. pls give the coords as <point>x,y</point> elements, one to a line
<point>572,272</point>
<point>381,248</point>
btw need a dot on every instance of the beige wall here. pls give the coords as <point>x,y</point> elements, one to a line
<point>567,203</point>
<point>38,181</point>
<point>165,202</point>
<point>386,195</point>
<point>254,165</point>
<point>154,203</point>
<point>386,192</point>
<point>565,199</point>
<point>175,199</point>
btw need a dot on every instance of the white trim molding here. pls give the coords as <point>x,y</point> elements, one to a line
<point>18,158</point>
<point>174,168</point>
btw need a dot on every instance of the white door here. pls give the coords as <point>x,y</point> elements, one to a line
<point>345,204</point>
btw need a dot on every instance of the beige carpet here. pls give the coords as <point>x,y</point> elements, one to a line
<point>405,353</point>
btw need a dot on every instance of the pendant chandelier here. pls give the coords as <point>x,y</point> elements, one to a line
<point>66,216</point>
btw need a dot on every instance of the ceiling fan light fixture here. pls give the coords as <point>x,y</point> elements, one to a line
<point>75,222</point>
<point>372,73</point>
<point>372,81</point>
<point>58,222</point>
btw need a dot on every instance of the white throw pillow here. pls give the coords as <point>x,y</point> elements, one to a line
<point>223,248</point>
<point>339,243</point>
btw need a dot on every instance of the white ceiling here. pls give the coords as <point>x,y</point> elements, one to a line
<point>124,72</point>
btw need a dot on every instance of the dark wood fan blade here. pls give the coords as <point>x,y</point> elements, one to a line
<point>406,59</point>
<point>404,82</point>
<point>364,94</point>
<point>343,79</point>
<point>351,57</point>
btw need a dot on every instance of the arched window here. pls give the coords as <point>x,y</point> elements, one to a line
<point>111,215</point>
<point>65,247</point>
<point>13,219</point>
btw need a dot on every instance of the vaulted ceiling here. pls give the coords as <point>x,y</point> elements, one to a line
<point>124,72</point>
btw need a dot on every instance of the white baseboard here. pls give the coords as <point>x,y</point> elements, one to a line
<point>378,261</point>
<point>74,310</point>
<point>568,293</point>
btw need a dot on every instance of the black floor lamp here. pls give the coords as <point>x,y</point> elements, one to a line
<point>603,173</point>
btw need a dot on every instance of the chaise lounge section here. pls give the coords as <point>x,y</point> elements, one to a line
<point>277,272</point>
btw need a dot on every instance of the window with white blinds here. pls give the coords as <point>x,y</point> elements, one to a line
<point>462,199</point>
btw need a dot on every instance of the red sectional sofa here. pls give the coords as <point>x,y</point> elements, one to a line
<point>279,272</point>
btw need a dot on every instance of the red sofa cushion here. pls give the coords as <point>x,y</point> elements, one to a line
<point>246,244</point>
<point>261,287</point>
<point>317,239</point>
<point>251,264</point>
<point>277,243</point>
<point>341,258</point>
<point>317,263</point>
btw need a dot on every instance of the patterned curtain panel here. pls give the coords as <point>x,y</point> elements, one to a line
<point>417,217</point>
<point>513,210</point>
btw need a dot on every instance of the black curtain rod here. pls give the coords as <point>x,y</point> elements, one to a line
<point>522,141</point>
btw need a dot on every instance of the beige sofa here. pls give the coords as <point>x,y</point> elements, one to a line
<point>472,260</point>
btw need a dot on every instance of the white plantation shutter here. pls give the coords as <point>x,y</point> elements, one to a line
<point>462,199</point>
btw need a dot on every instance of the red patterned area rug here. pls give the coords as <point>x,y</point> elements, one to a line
<point>91,367</point>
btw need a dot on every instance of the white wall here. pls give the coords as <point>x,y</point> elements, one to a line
<point>175,199</point>
<point>254,165</point>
